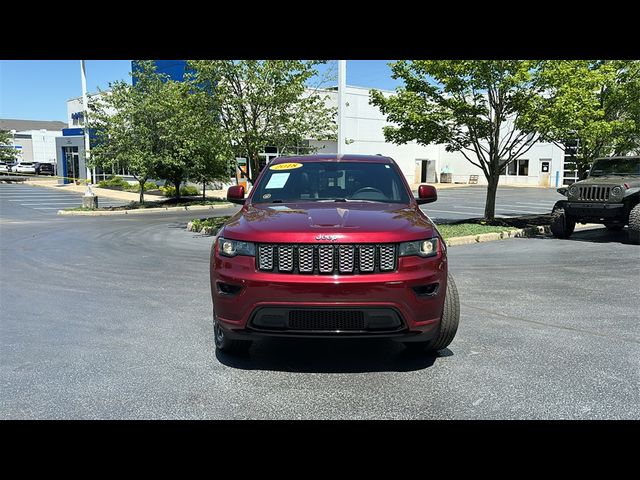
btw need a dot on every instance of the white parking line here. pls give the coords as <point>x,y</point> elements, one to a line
<point>44,194</point>
<point>502,207</point>
<point>42,199</point>
<point>462,214</point>
<point>542,205</point>
<point>50,203</point>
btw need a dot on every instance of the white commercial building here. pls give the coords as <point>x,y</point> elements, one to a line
<point>419,163</point>
<point>35,140</point>
<point>543,165</point>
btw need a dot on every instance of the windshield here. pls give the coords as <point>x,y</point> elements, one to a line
<point>330,181</point>
<point>616,166</point>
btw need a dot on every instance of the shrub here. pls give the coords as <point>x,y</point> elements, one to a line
<point>214,223</point>
<point>136,187</point>
<point>170,191</point>
<point>115,181</point>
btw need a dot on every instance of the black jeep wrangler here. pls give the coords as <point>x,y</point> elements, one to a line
<point>609,195</point>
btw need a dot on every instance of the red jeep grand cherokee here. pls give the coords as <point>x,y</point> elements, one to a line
<point>332,246</point>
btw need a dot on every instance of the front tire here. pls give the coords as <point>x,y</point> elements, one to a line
<point>634,225</point>
<point>448,322</point>
<point>562,225</point>
<point>226,344</point>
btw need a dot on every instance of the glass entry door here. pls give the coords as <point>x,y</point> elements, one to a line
<point>72,159</point>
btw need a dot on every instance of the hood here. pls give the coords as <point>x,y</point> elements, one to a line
<point>319,222</point>
<point>610,180</point>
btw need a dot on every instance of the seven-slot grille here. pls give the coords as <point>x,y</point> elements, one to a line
<point>327,258</point>
<point>594,193</point>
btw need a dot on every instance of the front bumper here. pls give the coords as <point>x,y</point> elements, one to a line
<point>379,295</point>
<point>594,210</point>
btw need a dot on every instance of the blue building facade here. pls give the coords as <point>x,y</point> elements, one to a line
<point>175,69</point>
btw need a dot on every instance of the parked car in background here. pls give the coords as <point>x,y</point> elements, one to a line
<point>610,195</point>
<point>4,167</point>
<point>25,167</point>
<point>45,169</point>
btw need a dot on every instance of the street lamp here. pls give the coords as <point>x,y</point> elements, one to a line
<point>342,84</point>
<point>85,107</point>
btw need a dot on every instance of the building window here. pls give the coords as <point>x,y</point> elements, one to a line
<point>518,167</point>
<point>523,167</point>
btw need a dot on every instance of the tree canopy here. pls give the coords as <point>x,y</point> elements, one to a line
<point>484,109</point>
<point>593,103</point>
<point>7,152</point>
<point>265,103</point>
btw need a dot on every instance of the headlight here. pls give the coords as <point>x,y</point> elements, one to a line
<point>573,191</point>
<point>231,248</point>
<point>422,248</point>
<point>616,191</point>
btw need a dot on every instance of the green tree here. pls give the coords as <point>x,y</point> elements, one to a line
<point>264,103</point>
<point>125,120</point>
<point>211,154</point>
<point>596,103</point>
<point>7,152</point>
<point>196,143</point>
<point>484,109</point>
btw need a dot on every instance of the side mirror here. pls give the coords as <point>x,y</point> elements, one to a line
<point>427,194</point>
<point>235,194</point>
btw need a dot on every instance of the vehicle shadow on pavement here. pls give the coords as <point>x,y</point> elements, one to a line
<point>601,235</point>
<point>330,356</point>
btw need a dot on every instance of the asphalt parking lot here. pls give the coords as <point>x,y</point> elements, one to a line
<point>45,200</point>
<point>110,317</point>
<point>468,202</point>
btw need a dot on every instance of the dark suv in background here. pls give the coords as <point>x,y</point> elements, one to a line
<point>609,195</point>
<point>45,169</point>
<point>332,246</point>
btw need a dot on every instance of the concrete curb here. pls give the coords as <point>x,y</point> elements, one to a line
<point>516,233</point>
<point>490,237</point>
<point>142,211</point>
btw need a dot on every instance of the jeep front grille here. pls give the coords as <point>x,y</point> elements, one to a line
<point>327,258</point>
<point>594,193</point>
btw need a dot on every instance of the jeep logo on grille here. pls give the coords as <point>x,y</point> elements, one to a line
<point>332,238</point>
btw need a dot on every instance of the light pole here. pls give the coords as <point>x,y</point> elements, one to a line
<point>85,107</point>
<point>342,84</point>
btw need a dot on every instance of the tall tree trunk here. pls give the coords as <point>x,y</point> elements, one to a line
<point>254,160</point>
<point>177,183</point>
<point>204,186</point>
<point>583,166</point>
<point>492,189</point>
<point>141,183</point>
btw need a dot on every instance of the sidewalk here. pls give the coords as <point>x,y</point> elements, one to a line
<point>108,193</point>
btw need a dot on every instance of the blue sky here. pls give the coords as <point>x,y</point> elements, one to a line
<point>39,89</point>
